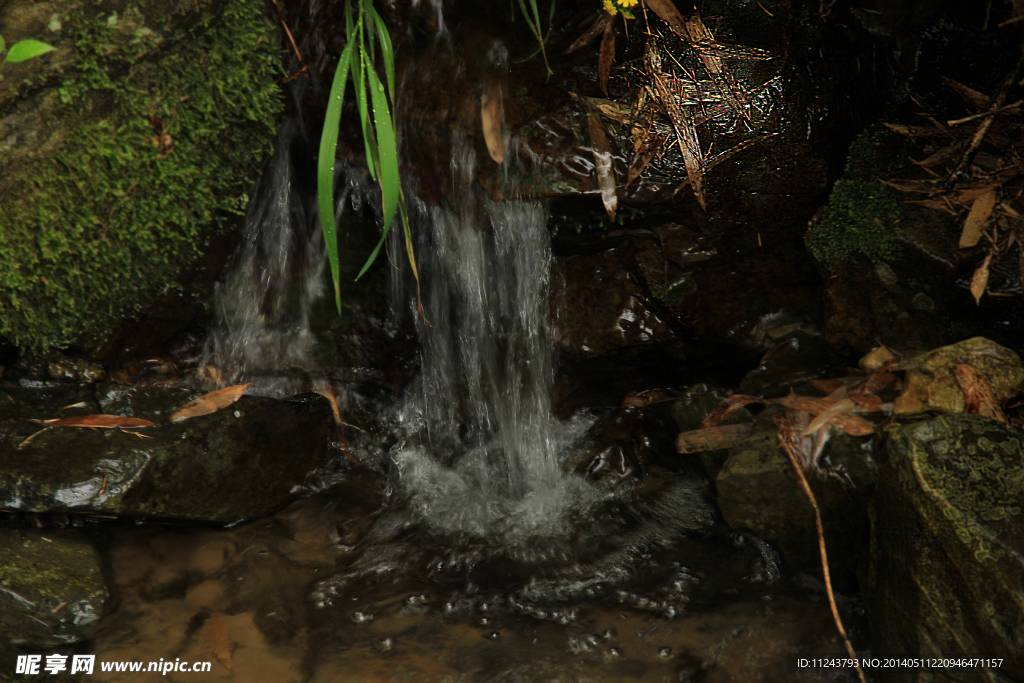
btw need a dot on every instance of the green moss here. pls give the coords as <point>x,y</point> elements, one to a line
<point>857,220</point>
<point>860,216</point>
<point>93,231</point>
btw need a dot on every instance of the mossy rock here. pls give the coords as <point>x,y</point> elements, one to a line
<point>241,462</point>
<point>758,492</point>
<point>933,386</point>
<point>52,590</point>
<point>945,576</point>
<point>124,150</point>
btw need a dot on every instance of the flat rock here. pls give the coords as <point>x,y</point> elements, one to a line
<point>238,463</point>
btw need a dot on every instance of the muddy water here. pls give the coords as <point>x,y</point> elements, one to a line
<point>263,603</point>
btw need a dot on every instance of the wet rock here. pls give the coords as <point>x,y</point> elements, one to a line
<point>238,463</point>
<point>758,492</point>
<point>595,308</point>
<point>626,445</point>
<point>947,528</point>
<point>895,272</point>
<point>933,386</point>
<point>52,590</point>
<point>799,355</point>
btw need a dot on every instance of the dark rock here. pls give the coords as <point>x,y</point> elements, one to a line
<point>596,308</point>
<point>895,272</point>
<point>52,590</point>
<point>758,492</point>
<point>799,356</point>
<point>947,530</point>
<point>689,411</point>
<point>628,444</point>
<point>238,463</point>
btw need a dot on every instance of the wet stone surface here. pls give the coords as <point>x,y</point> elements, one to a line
<point>52,588</point>
<point>238,463</point>
<point>947,529</point>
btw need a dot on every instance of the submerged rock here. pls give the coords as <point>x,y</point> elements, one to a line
<point>52,590</point>
<point>758,492</point>
<point>947,530</point>
<point>238,463</point>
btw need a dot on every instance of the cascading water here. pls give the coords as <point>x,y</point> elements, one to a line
<point>479,492</point>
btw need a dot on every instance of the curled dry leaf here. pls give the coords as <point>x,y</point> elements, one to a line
<point>98,422</point>
<point>209,403</point>
<point>979,281</point>
<point>603,163</point>
<point>978,216</point>
<point>492,115</point>
<point>978,393</point>
<point>668,13</point>
<point>595,29</point>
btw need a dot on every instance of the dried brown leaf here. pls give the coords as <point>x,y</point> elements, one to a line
<point>209,403</point>
<point>821,419</point>
<point>727,407</point>
<point>668,13</point>
<point>978,216</point>
<point>916,131</point>
<point>219,642</point>
<point>603,163</point>
<point>712,438</point>
<point>492,119</point>
<point>827,385</point>
<point>979,281</point>
<point>98,422</point>
<point>979,396</point>
<point>594,31</point>
<point>947,153</point>
<point>869,402</point>
<point>606,57</point>
<point>969,95</point>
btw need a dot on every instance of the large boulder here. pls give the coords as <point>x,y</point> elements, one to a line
<point>239,463</point>
<point>52,590</point>
<point>758,492</point>
<point>122,152</point>
<point>945,576</point>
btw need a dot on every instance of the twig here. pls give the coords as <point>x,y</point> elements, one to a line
<point>990,112</point>
<point>802,478</point>
<point>979,135</point>
<point>291,39</point>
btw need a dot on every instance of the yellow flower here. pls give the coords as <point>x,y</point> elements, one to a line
<point>626,3</point>
<point>610,8</point>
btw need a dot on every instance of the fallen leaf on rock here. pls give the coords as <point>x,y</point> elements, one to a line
<point>97,422</point>
<point>978,216</point>
<point>712,438</point>
<point>870,402</point>
<point>595,29</point>
<point>668,13</point>
<point>979,281</point>
<point>80,404</point>
<point>978,393</point>
<point>209,403</point>
<point>602,162</point>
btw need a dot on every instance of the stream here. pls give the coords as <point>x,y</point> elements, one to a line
<point>461,549</point>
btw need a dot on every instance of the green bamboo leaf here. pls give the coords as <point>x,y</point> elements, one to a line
<point>26,49</point>
<point>325,165</point>
<point>369,141</point>
<point>387,146</point>
<point>387,51</point>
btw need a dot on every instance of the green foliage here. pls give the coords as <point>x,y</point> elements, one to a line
<point>858,219</point>
<point>22,50</point>
<point>532,16</point>
<point>158,140</point>
<point>364,34</point>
